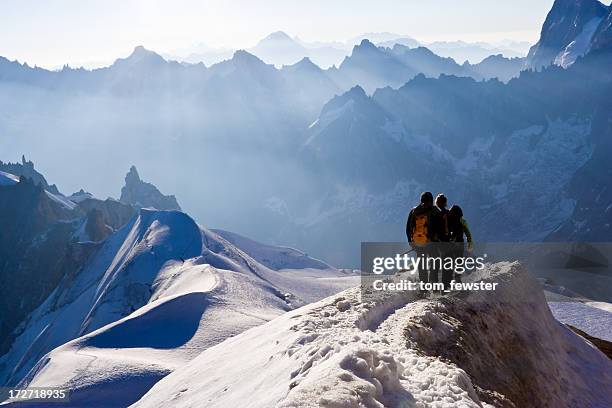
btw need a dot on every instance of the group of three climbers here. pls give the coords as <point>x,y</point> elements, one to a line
<point>435,231</point>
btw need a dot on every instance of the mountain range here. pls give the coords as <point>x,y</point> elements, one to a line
<point>144,307</point>
<point>132,301</point>
<point>118,278</point>
<point>279,48</point>
<point>281,152</point>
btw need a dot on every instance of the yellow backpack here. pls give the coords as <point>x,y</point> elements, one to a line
<point>420,234</point>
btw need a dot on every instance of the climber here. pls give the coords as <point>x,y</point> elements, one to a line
<point>423,230</point>
<point>441,203</point>
<point>458,227</point>
<point>444,247</point>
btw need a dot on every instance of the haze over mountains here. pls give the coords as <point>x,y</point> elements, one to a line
<point>132,300</point>
<point>84,263</point>
<point>293,154</point>
<point>279,49</point>
<point>146,307</point>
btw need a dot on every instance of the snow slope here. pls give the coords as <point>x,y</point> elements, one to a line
<point>273,257</point>
<point>579,46</point>
<point>478,350</point>
<point>8,179</point>
<point>592,320</point>
<point>157,293</point>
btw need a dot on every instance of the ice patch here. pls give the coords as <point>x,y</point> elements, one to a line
<point>592,320</point>
<point>579,46</point>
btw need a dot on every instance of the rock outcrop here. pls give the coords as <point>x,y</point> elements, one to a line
<point>35,251</point>
<point>145,195</point>
<point>26,169</point>
<point>568,32</point>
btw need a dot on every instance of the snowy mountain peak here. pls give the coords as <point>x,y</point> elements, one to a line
<point>150,298</point>
<point>567,32</point>
<point>397,351</point>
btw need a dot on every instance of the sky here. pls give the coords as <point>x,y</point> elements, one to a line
<point>52,33</point>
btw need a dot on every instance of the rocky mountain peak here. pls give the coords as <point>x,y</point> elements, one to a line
<point>566,32</point>
<point>144,195</point>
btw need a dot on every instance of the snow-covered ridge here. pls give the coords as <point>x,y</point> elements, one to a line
<point>156,293</point>
<point>274,257</point>
<point>8,179</point>
<point>478,350</point>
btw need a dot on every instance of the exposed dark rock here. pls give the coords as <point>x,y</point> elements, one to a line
<point>144,195</point>
<point>564,22</point>
<point>603,345</point>
<point>114,213</point>
<point>26,169</point>
<point>95,227</point>
<point>35,251</point>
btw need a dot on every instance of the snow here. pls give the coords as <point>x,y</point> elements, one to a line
<point>549,157</point>
<point>327,118</point>
<point>156,294</point>
<point>8,179</point>
<point>579,46</point>
<point>274,257</point>
<point>80,196</point>
<point>81,235</point>
<point>399,351</point>
<point>595,321</point>
<point>477,151</point>
<point>601,305</point>
<point>61,200</point>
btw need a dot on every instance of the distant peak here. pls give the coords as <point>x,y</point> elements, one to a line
<point>364,46</point>
<point>279,36</point>
<point>141,54</point>
<point>356,91</point>
<point>142,194</point>
<point>365,43</point>
<point>306,62</point>
<point>242,56</point>
<point>132,175</point>
<point>139,49</point>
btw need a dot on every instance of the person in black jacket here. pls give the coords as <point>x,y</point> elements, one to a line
<point>423,230</point>
<point>446,249</point>
<point>458,227</point>
<point>441,203</point>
